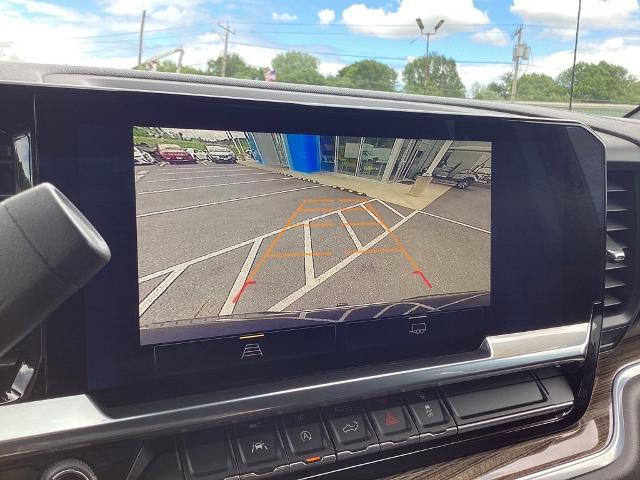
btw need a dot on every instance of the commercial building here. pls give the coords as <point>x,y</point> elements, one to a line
<point>392,160</point>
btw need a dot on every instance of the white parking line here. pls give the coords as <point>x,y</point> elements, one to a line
<point>227,308</point>
<point>214,185</point>
<point>220,202</point>
<point>139,174</point>
<point>375,217</point>
<point>462,300</point>
<point>391,208</point>
<point>210,176</point>
<point>455,221</point>
<point>354,237</point>
<point>159,290</point>
<point>208,170</point>
<point>281,305</point>
<point>309,273</point>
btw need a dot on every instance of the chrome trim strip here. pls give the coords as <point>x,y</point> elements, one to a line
<point>610,452</point>
<point>61,423</point>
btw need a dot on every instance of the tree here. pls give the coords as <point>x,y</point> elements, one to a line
<point>540,87</point>
<point>297,67</point>
<point>368,75</point>
<point>483,92</point>
<point>444,80</point>
<point>236,68</point>
<point>598,82</point>
<point>171,66</point>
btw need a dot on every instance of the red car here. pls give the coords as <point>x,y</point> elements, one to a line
<point>173,154</point>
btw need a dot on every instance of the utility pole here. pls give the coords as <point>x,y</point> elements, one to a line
<point>144,14</point>
<point>575,52</point>
<point>520,51</point>
<point>227,31</point>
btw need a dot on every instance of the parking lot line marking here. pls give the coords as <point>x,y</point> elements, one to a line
<point>228,249</point>
<point>215,185</point>
<point>353,235</point>
<point>159,290</point>
<point>140,174</point>
<point>207,170</point>
<point>462,300</point>
<point>230,304</point>
<point>298,254</point>
<point>391,208</point>
<point>455,221</point>
<point>309,273</point>
<point>414,265</point>
<point>220,202</point>
<point>282,304</point>
<point>210,176</point>
<point>374,250</point>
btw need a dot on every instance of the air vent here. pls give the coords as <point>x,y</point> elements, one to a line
<point>620,264</point>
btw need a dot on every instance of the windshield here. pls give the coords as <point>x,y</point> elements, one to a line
<point>563,54</point>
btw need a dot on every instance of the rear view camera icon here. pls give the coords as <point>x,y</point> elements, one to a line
<point>418,328</point>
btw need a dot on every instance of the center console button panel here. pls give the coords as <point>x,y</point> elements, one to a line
<point>340,433</point>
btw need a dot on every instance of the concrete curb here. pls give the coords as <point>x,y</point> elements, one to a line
<point>337,187</point>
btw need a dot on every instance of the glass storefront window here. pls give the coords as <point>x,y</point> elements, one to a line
<point>348,150</point>
<point>327,153</point>
<point>374,157</point>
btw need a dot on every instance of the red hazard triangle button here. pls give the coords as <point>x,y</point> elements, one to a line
<point>391,419</point>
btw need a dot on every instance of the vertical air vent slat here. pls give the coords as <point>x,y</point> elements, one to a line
<point>621,238</point>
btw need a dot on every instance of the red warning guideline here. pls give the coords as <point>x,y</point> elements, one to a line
<point>242,289</point>
<point>424,279</point>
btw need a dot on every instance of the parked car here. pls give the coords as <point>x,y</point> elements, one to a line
<point>218,154</point>
<point>173,154</point>
<point>142,158</point>
<point>199,155</point>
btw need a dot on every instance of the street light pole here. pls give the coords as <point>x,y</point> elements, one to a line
<point>575,53</point>
<point>426,58</point>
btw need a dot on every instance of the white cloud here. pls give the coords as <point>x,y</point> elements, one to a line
<point>483,74</point>
<point>493,36</point>
<point>402,22</point>
<point>331,68</point>
<point>326,16</point>
<point>135,7</point>
<point>562,13</point>
<point>284,17</point>
<point>615,50</point>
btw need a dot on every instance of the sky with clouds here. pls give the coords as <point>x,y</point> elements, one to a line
<point>476,33</point>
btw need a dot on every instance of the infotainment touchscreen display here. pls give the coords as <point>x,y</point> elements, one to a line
<point>245,232</point>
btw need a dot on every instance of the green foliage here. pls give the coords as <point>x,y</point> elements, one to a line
<point>443,81</point>
<point>236,68</point>
<point>540,87</point>
<point>297,67</point>
<point>171,66</point>
<point>602,82</point>
<point>366,74</point>
<point>483,92</point>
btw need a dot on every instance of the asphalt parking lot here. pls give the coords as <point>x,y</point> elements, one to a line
<point>218,240</point>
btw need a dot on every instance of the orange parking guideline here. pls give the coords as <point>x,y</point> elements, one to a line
<point>269,253</point>
<point>407,255</point>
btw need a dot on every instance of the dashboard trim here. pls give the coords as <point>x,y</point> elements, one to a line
<point>66,422</point>
<point>614,447</point>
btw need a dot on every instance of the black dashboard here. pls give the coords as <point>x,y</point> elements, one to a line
<point>308,282</point>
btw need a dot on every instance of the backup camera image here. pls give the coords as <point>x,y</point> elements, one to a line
<point>242,232</point>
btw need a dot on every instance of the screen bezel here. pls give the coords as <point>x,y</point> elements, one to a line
<point>106,197</point>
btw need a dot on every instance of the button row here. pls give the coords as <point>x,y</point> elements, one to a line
<point>306,439</point>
